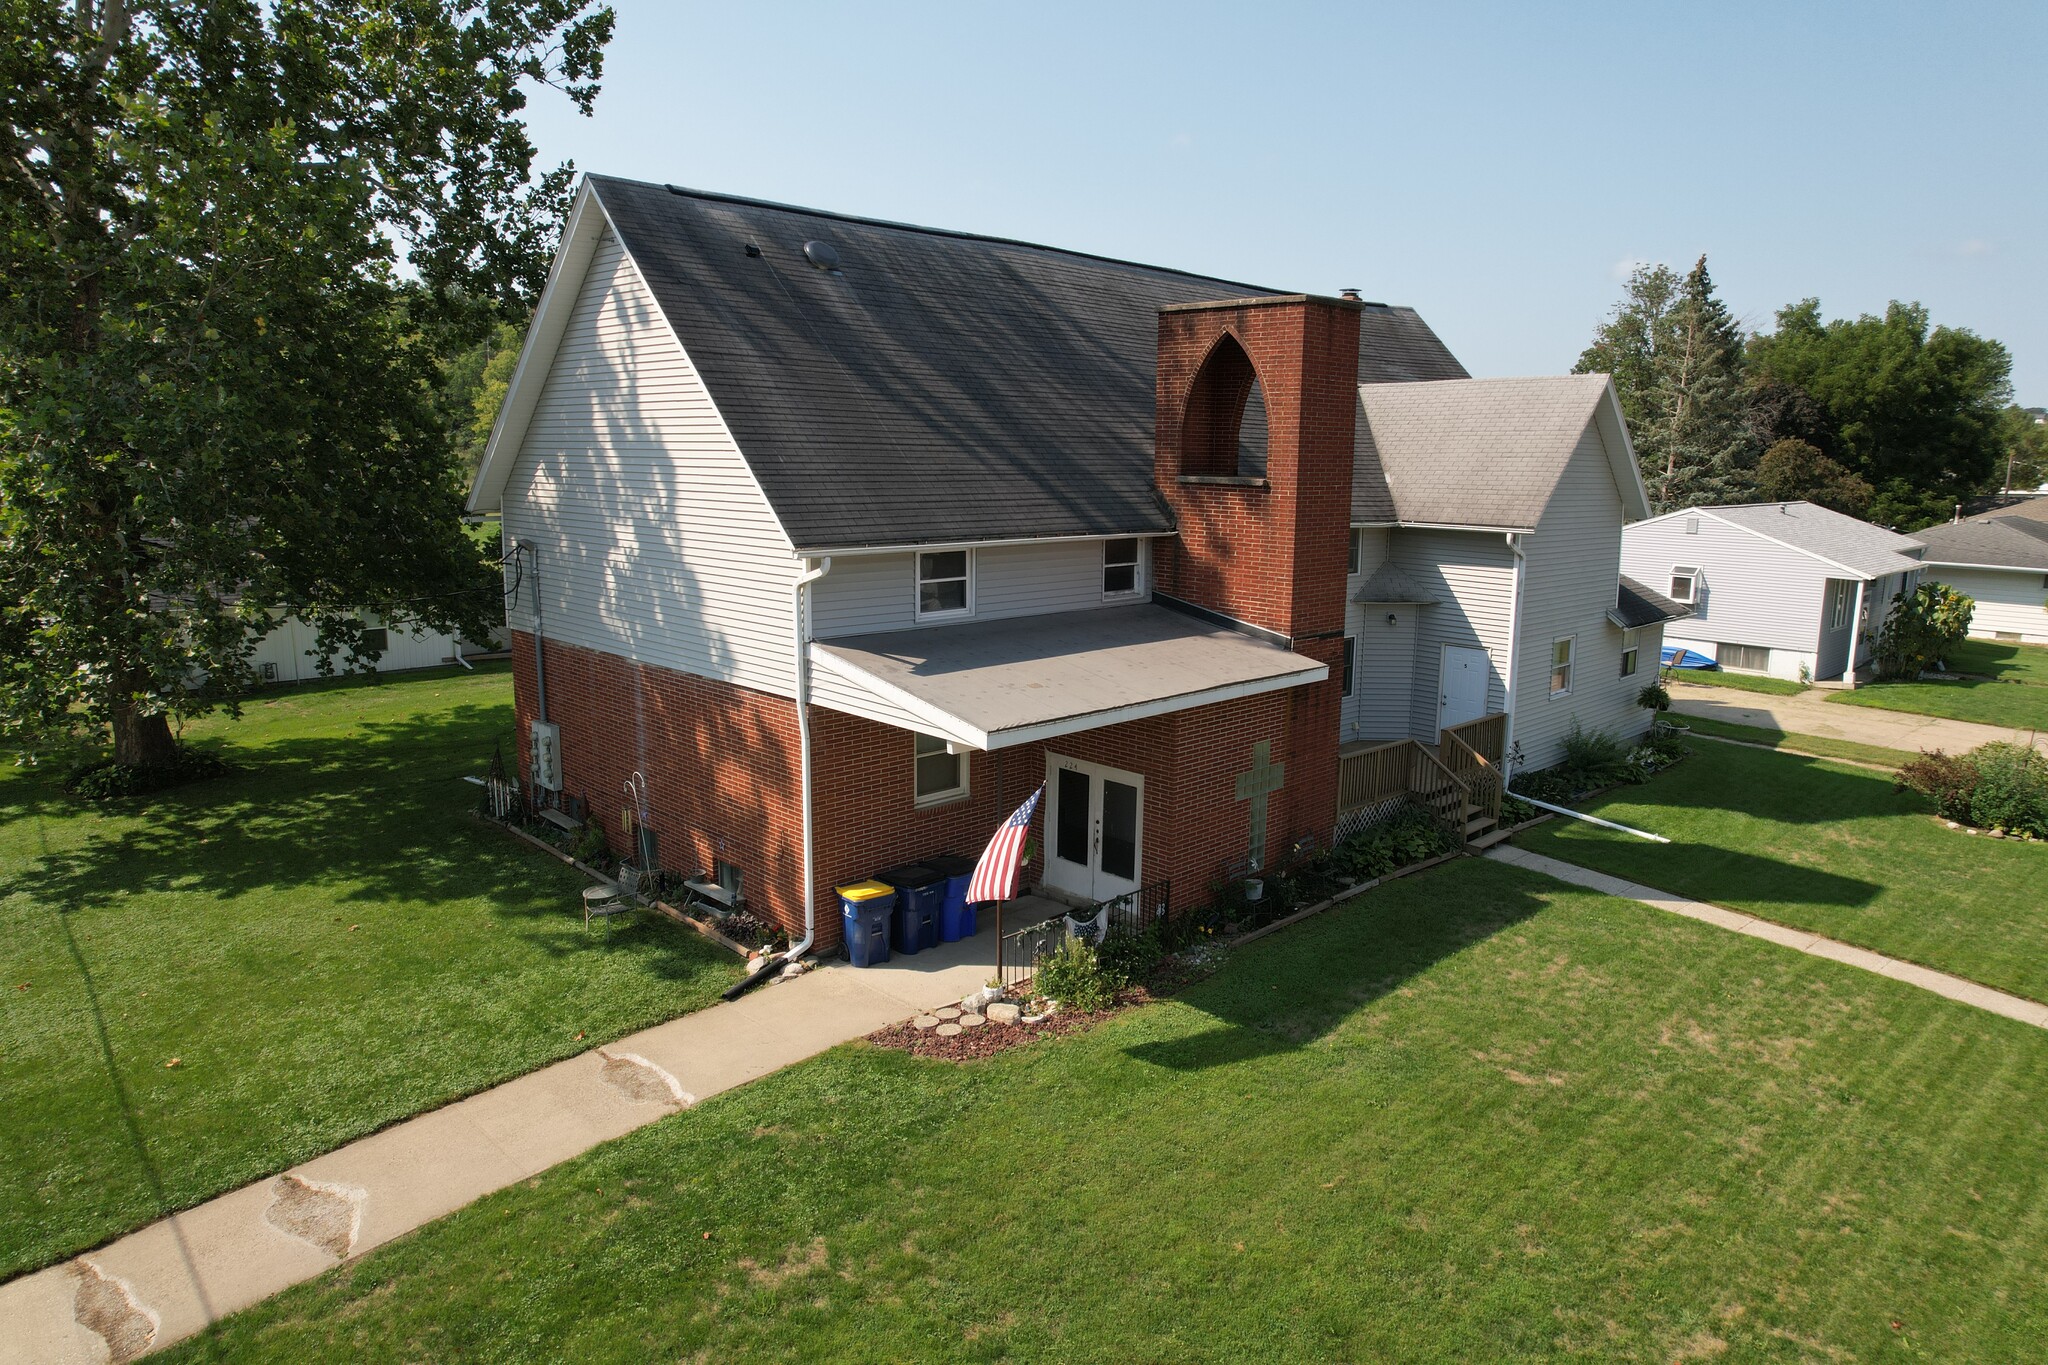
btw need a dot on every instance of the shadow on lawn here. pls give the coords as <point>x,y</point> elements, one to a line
<point>1316,976</point>
<point>376,815</point>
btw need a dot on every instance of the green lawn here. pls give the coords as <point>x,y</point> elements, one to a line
<point>325,942</point>
<point>1818,746</point>
<point>1741,682</point>
<point>2006,662</point>
<point>1474,1115</point>
<point>1828,848</point>
<point>2017,706</point>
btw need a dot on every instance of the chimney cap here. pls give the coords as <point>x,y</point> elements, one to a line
<point>1351,293</point>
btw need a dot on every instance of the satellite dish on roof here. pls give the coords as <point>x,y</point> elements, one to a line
<point>821,255</point>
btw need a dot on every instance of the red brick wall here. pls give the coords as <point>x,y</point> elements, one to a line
<point>721,765</point>
<point>720,762</point>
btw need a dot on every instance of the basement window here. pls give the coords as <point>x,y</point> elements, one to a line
<point>1685,584</point>
<point>1747,658</point>
<point>376,639</point>
<point>1120,567</point>
<point>941,770</point>
<point>945,584</point>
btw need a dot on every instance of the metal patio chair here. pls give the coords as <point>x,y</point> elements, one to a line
<point>608,901</point>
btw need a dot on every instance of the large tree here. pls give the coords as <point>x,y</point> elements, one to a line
<point>1917,408</point>
<point>209,405</point>
<point>1675,353</point>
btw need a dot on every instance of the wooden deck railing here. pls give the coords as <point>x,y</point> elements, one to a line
<point>1482,777</point>
<point>1403,769</point>
<point>1486,736</point>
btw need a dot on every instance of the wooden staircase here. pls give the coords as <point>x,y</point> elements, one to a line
<point>1460,780</point>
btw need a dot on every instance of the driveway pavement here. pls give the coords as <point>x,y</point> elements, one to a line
<point>1810,713</point>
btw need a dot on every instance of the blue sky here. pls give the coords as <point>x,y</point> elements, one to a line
<point>1496,166</point>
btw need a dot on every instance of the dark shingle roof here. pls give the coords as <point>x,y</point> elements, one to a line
<point>1636,606</point>
<point>937,385</point>
<point>2005,540</point>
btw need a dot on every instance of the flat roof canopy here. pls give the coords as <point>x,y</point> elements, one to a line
<point>993,684</point>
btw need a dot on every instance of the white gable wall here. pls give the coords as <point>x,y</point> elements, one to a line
<point>1574,561</point>
<point>2009,601</point>
<point>1754,591</point>
<point>655,541</point>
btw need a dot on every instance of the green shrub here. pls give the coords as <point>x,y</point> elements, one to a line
<point>106,780</point>
<point>1654,698</point>
<point>1593,758</point>
<point>1127,959</point>
<point>1950,779</point>
<point>2012,789</point>
<point>1072,975</point>
<point>1409,837</point>
<point>590,848</point>
<point>1922,629</point>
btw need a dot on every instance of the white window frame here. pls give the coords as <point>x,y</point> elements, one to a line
<point>918,582</point>
<point>1350,674</point>
<point>1631,653</point>
<point>1841,616</point>
<point>1568,667</point>
<point>924,746</point>
<point>1691,574</point>
<point>1137,567</point>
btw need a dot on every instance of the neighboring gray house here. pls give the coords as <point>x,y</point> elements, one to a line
<point>1487,521</point>
<point>1780,588</point>
<point>2001,560</point>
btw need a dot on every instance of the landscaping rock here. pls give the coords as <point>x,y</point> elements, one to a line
<point>947,1012</point>
<point>949,1030</point>
<point>981,999</point>
<point>972,1020</point>
<point>924,1021</point>
<point>1003,1012</point>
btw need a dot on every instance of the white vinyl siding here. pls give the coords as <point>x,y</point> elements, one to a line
<point>1574,564</point>
<point>1752,591</point>
<point>1473,575</point>
<point>2009,601</point>
<point>286,649</point>
<point>655,541</point>
<point>1383,672</point>
<point>867,594</point>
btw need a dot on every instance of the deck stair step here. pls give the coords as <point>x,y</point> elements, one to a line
<point>1486,840</point>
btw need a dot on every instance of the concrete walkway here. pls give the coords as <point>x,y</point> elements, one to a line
<point>1941,983</point>
<point>172,1278</point>
<point>1810,713</point>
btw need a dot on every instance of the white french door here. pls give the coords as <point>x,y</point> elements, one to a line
<point>1095,826</point>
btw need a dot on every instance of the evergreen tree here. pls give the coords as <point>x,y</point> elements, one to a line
<point>1676,353</point>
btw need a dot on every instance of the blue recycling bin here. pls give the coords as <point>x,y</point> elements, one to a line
<point>919,894</point>
<point>864,912</point>
<point>957,919</point>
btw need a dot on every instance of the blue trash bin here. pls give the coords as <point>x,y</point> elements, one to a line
<point>957,919</point>
<point>919,894</point>
<point>864,911</point>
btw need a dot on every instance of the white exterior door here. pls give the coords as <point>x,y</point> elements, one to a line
<point>1094,822</point>
<point>1462,685</point>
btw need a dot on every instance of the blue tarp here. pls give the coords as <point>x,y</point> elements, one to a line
<point>1674,657</point>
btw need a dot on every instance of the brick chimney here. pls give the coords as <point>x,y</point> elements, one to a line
<point>1264,548</point>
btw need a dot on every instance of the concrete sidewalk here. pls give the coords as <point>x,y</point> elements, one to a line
<point>1810,713</point>
<point>1941,983</point>
<point>170,1279</point>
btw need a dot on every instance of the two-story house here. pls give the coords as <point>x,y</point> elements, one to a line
<point>844,535</point>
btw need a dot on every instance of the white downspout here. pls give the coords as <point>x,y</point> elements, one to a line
<point>1507,742</point>
<point>800,620</point>
<point>1855,636</point>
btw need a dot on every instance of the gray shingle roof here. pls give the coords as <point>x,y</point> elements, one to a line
<point>2005,541</point>
<point>937,385</point>
<point>1390,583</point>
<point>1476,452</point>
<point>1835,536</point>
<point>1636,606</point>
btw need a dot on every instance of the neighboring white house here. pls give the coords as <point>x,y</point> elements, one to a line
<point>286,654</point>
<point>2001,560</point>
<point>1780,588</point>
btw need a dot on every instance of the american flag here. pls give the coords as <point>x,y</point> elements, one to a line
<point>995,876</point>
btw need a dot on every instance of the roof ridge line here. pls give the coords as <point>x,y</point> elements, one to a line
<point>720,197</point>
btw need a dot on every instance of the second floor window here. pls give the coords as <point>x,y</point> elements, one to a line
<point>1119,567</point>
<point>1356,553</point>
<point>945,583</point>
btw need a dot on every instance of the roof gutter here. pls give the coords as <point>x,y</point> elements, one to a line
<point>905,546</point>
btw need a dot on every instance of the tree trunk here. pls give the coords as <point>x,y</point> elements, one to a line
<point>142,739</point>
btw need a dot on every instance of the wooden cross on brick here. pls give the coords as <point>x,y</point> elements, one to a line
<point>1265,778</point>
